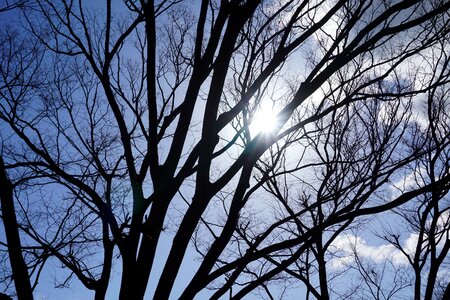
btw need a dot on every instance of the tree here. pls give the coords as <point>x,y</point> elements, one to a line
<point>22,282</point>
<point>126,124</point>
<point>10,5</point>
<point>417,253</point>
<point>428,218</point>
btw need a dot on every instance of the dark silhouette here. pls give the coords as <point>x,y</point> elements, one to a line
<point>18,266</point>
<point>4,297</point>
<point>125,125</point>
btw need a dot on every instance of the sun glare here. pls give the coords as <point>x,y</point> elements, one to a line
<point>264,122</point>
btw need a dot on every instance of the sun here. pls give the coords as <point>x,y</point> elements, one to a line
<point>265,122</point>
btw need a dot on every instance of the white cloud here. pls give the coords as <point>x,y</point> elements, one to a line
<point>347,244</point>
<point>443,273</point>
<point>443,220</point>
<point>409,182</point>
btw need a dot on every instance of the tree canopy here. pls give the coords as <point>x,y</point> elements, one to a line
<point>226,148</point>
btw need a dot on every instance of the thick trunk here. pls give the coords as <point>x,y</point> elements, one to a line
<point>128,286</point>
<point>322,271</point>
<point>129,246</point>
<point>100,293</point>
<point>417,289</point>
<point>136,272</point>
<point>430,285</point>
<point>446,292</point>
<point>18,266</point>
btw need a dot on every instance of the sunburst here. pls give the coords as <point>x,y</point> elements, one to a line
<point>265,121</point>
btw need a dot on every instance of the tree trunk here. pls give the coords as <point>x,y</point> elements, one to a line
<point>18,266</point>
<point>322,270</point>
<point>446,292</point>
<point>100,291</point>
<point>417,288</point>
<point>129,289</point>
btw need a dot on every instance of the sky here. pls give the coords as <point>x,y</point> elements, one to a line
<point>371,248</point>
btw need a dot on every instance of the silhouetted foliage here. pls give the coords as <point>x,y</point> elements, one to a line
<point>128,134</point>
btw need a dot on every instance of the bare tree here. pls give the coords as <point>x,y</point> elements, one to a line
<point>21,277</point>
<point>428,218</point>
<point>124,124</point>
<point>11,5</point>
<point>424,222</point>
